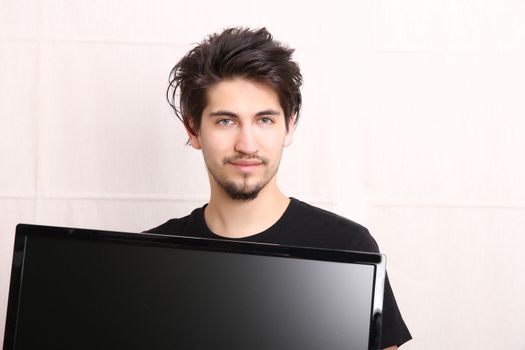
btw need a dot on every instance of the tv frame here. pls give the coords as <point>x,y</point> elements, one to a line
<point>27,231</point>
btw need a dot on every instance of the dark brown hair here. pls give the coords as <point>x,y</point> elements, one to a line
<point>234,53</point>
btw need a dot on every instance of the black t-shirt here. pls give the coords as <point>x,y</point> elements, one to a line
<point>307,226</point>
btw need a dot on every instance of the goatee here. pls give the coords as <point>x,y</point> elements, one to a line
<point>237,193</point>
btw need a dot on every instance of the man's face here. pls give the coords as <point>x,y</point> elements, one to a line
<point>242,135</point>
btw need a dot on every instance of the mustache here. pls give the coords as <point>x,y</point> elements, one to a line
<point>227,160</point>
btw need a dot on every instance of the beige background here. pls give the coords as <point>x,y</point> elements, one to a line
<point>413,125</point>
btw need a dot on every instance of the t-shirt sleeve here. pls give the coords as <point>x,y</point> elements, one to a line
<point>394,329</point>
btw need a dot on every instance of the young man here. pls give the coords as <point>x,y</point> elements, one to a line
<point>238,95</point>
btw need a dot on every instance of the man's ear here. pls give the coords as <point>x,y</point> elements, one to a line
<point>193,137</point>
<point>289,133</point>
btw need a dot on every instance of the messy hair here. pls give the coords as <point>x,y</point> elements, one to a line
<point>234,53</point>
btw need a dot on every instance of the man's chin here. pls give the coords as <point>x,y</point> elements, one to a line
<point>245,197</point>
<point>242,194</point>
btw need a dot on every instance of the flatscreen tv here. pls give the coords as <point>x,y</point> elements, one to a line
<point>90,289</point>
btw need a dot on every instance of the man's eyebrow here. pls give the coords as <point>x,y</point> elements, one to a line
<point>268,112</point>
<point>222,113</point>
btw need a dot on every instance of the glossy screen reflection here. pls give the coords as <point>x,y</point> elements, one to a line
<point>102,295</point>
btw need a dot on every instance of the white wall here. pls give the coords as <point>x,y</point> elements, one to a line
<point>412,125</point>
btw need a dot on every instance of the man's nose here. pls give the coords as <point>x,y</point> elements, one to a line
<point>246,141</point>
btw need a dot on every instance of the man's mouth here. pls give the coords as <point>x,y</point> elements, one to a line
<point>245,161</point>
<point>245,164</point>
<point>248,162</point>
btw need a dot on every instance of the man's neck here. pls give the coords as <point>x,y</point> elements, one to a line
<point>238,218</point>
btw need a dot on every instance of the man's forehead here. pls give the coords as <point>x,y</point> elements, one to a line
<point>238,95</point>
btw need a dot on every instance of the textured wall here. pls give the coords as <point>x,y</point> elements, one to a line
<point>412,125</point>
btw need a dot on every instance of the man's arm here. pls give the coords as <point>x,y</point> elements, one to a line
<point>391,348</point>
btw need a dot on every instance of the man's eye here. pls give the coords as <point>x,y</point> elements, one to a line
<point>225,122</point>
<point>266,121</point>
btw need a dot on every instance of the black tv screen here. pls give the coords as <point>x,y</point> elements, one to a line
<point>88,289</point>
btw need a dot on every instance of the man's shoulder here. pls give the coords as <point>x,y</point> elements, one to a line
<point>322,216</point>
<point>177,226</point>
<point>310,215</point>
<point>327,229</point>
